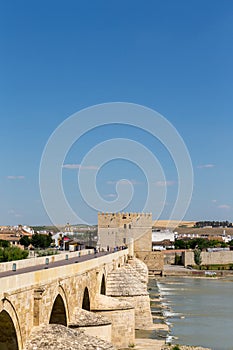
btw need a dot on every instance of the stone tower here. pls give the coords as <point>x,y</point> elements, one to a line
<point>118,229</point>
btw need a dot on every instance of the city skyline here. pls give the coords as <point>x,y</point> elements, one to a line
<point>172,57</point>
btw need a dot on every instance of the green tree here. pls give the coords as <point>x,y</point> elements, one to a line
<point>200,242</point>
<point>4,243</point>
<point>25,241</point>
<point>12,253</point>
<point>180,244</point>
<point>197,257</point>
<point>1,254</point>
<point>41,241</point>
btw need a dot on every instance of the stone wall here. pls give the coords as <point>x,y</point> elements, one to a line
<point>144,242</point>
<point>102,332</point>
<point>209,258</point>
<point>153,260</point>
<point>113,220</point>
<point>128,284</point>
<point>141,268</point>
<point>91,323</point>
<point>120,228</point>
<point>122,317</point>
<point>123,331</point>
<point>143,316</point>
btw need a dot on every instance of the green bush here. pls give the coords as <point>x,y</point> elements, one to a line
<point>46,252</point>
<point>12,253</point>
<point>4,243</point>
<point>176,347</point>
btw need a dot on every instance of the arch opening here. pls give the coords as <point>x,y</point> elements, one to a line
<point>86,300</point>
<point>8,337</point>
<point>58,314</point>
<point>103,286</point>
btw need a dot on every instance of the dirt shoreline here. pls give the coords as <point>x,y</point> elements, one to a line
<point>181,271</point>
<point>154,344</point>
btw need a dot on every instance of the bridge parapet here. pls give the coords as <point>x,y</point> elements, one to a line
<point>36,261</point>
<point>44,276</point>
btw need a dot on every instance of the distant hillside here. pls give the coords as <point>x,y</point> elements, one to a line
<point>215,231</point>
<point>173,223</point>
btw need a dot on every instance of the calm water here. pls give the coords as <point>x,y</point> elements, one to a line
<point>198,311</point>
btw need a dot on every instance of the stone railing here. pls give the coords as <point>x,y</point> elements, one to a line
<point>21,264</point>
<point>43,276</point>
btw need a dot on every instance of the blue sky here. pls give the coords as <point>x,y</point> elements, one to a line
<point>58,57</point>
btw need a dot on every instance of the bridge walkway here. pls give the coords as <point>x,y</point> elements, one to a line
<point>51,265</point>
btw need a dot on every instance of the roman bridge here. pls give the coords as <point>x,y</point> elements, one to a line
<point>111,286</point>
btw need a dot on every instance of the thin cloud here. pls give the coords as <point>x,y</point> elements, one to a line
<point>79,166</point>
<point>124,182</point>
<point>205,166</point>
<point>14,213</point>
<point>110,182</point>
<point>11,211</point>
<point>214,200</point>
<point>165,183</point>
<point>15,177</point>
<point>110,195</point>
<point>165,204</point>
<point>224,206</point>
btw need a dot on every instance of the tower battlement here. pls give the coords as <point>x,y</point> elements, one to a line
<point>117,220</point>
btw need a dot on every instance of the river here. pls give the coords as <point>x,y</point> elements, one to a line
<point>199,311</point>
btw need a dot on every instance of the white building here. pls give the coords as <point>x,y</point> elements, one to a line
<point>162,239</point>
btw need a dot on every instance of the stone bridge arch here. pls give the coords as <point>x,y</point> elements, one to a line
<point>58,313</point>
<point>103,285</point>
<point>10,333</point>
<point>101,281</point>
<point>55,303</point>
<point>86,304</point>
<point>88,287</point>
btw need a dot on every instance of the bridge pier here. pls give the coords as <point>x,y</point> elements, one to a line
<point>122,317</point>
<point>125,285</point>
<point>92,324</point>
<point>37,305</point>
